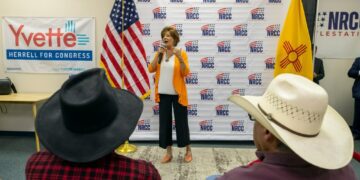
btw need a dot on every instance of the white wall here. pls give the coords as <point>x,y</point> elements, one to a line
<point>338,85</point>
<point>19,117</point>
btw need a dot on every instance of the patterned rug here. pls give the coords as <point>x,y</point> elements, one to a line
<point>206,161</point>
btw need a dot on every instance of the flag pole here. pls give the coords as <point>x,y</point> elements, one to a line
<point>126,147</point>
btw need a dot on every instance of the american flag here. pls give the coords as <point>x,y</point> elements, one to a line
<point>122,44</point>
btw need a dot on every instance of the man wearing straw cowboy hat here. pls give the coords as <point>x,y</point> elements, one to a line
<point>81,125</point>
<point>296,133</point>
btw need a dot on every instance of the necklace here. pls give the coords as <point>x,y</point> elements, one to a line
<point>167,57</point>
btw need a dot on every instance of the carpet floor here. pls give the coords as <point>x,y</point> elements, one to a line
<point>206,161</point>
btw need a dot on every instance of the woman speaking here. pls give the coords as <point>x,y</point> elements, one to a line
<point>171,66</point>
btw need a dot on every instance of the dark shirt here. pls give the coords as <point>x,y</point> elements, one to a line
<point>319,70</point>
<point>45,165</point>
<point>275,166</point>
<point>354,73</point>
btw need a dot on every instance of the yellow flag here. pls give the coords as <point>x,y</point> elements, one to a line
<point>293,54</point>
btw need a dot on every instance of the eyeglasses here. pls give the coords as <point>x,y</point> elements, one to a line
<point>252,118</point>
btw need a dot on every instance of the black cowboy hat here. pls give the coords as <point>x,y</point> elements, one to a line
<point>87,118</point>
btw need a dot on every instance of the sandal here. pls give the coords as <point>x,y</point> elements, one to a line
<point>167,158</point>
<point>188,157</point>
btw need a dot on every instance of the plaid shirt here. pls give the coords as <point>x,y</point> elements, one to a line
<point>45,165</point>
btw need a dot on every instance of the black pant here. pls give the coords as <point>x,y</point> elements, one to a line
<point>165,118</point>
<point>356,122</point>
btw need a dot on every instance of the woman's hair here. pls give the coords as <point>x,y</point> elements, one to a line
<point>173,33</point>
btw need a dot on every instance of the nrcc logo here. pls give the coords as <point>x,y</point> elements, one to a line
<point>192,110</point>
<point>273,30</point>
<point>192,46</point>
<point>156,45</point>
<point>225,14</point>
<point>242,1</point>
<point>255,79</point>
<point>146,29</point>
<point>275,1</point>
<point>192,78</point>
<point>207,63</point>
<point>240,62</point>
<point>176,1</point>
<point>209,1</point>
<point>240,92</point>
<point>224,46</point>
<point>339,24</point>
<point>237,126</point>
<point>208,30</point>
<point>156,110</point>
<point>159,13</point>
<point>178,28</point>
<point>222,110</point>
<point>192,13</point>
<point>206,125</point>
<point>256,47</point>
<point>144,125</point>
<point>240,30</point>
<point>223,79</point>
<point>257,14</point>
<point>207,94</point>
<point>269,63</point>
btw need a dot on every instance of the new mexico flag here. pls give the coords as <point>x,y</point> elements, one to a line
<point>293,54</point>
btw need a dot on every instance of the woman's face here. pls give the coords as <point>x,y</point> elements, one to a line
<point>168,40</point>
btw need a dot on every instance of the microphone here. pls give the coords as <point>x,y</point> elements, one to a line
<point>162,45</point>
<point>160,57</point>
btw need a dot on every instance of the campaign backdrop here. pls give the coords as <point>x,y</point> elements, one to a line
<point>338,29</point>
<point>48,45</point>
<point>231,45</point>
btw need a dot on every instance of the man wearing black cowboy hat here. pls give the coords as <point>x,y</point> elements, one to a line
<point>81,125</point>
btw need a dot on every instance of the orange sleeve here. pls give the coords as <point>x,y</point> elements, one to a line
<point>187,67</point>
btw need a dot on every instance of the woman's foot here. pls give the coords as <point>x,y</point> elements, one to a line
<point>188,157</point>
<point>167,158</point>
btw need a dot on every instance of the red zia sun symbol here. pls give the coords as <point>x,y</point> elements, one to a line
<point>292,56</point>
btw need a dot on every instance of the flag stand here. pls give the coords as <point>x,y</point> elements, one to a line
<point>125,148</point>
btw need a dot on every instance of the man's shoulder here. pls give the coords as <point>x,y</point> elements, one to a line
<point>255,171</point>
<point>42,156</point>
<point>318,59</point>
<point>116,165</point>
<point>135,167</point>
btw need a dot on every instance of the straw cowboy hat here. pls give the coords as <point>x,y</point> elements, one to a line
<point>87,119</point>
<point>296,111</point>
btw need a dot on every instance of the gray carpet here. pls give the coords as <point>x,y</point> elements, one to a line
<point>206,161</point>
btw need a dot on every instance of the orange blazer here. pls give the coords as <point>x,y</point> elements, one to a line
<point>178,79</point>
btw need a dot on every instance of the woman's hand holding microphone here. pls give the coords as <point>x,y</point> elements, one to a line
<point>161,51</point>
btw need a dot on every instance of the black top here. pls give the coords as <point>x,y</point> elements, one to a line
<point>354,73</point>
<point>319,70</point>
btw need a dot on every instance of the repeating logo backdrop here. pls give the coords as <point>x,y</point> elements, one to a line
<point>231,45</point>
